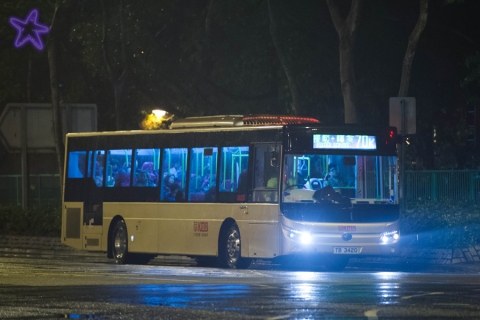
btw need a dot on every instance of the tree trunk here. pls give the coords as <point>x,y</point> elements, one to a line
<point>29,77</point>
<point>120,83</point>
<point>347,29</point>
<point>347,78</point>
<point>55,94</point>
<point>412,48</point>
<point>297,107</point>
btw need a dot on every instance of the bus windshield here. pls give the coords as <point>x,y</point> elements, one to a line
<point>363,179</point>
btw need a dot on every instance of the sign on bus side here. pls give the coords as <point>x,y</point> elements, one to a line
<point>200,229</point>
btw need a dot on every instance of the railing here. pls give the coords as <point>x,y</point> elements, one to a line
<point>419,185</point>
<point>442,185</point>
<point>43,189</point>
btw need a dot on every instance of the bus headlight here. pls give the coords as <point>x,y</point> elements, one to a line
<point>389,237</point>
<point>303,236</point>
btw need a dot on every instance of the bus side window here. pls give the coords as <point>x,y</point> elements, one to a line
<point>96,166</point>
<point>119,166</point>
<point>266,176</point>
<point>203,174</point>
<point>147,163</point>
<point>234,172</point>
<point>173,174</point>
<point>76,164</point>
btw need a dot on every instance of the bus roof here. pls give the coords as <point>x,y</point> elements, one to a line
<point>217,123</point>
<point>241,120</point>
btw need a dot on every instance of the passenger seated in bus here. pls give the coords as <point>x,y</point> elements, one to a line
<point>210,194</point>
<point>98,175</point>
<point>148,166</point>
<point>122,179</point>
<point>180,196</point>
<point>174,189</point>
<point>143,179</point>
<point>333,177</point>
<point>176,170</point>
<point>169,186</point>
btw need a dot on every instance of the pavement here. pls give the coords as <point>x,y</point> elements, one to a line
<point>462,260</point>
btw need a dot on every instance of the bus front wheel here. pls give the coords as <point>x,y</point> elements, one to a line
<point>230,249</point>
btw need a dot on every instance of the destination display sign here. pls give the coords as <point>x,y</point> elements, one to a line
<point>344,141</point>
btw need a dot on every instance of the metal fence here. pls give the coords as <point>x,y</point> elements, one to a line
<point>442,185</point>
<point>43,189</point>
<point>419,185</point>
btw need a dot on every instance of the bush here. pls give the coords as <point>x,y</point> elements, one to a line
<point>44,221</point>
<point>441,224</point>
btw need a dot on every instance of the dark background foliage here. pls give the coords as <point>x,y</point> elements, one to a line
<point>441,224</point>
<point>44,221</point>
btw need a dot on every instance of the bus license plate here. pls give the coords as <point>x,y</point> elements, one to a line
<point>346,250</point>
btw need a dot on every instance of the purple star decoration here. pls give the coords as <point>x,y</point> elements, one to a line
<point>29,30</point>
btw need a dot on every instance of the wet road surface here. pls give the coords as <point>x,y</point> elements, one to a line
<point>48,289</point>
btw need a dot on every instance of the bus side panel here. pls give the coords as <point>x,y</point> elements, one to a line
<point>194,229</point>
<point>72,217</point>
<point>143,235</point>
<point>263,240</point>
<point>259,230</point>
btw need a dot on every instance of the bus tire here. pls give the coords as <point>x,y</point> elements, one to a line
<point>119,242</point>
<point>229,251</point>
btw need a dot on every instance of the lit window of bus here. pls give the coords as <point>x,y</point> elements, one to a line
<point>266,174</point>
<point>119,167</point>
<point>147,163</point>
<point>203,174</point>
<point>233,174</point>
<point>173,174</point>
<point>76,164</point>
<point>96,166</point>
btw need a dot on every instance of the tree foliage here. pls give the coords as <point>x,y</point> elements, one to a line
<point>441,224</point>
<point>218,56</point>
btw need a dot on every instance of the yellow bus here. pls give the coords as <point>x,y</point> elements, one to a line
<point>229,189</point>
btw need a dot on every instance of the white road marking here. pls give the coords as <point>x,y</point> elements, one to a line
<point>371,314</point>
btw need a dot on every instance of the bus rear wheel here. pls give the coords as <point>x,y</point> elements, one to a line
<point>119,242</point>
<point>230,246</point>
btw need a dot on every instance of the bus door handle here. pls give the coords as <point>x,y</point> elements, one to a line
<point>244,208</point>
